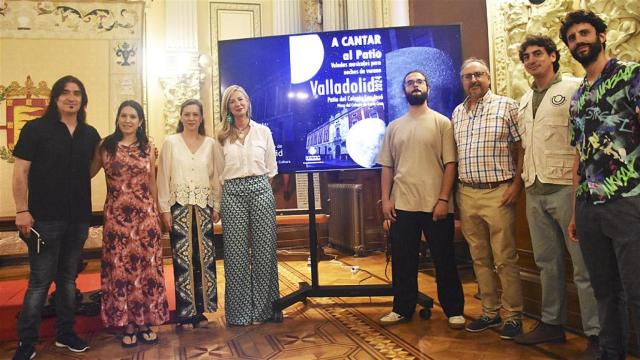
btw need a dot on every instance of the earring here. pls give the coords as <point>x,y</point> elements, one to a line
<point>230,118</point>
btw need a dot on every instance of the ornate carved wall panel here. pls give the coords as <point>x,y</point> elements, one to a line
<point>511,20</point>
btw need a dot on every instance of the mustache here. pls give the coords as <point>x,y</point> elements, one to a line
<point>578,45</point>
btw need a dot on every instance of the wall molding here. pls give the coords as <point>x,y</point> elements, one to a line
<point>217,13</point>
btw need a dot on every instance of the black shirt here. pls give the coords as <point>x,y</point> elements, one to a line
<point>59,177</point>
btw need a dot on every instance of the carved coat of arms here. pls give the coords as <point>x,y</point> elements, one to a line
<point>22,104</point>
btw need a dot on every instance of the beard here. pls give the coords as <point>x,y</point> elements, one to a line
<point>595,48</point>
<point>416,98</point>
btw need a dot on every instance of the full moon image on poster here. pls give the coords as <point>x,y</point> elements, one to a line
<point>364,140</point>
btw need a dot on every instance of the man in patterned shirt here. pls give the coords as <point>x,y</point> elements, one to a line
<point>489,157</point>
<point>605,116</point>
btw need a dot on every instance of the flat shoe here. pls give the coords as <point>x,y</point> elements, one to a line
<point>133,340</point>
<point>145,336</point>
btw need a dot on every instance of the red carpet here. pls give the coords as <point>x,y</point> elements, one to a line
<point>12,294</point>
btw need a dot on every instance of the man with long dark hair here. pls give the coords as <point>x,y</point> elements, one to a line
<point>605,119</point>
<point>52,193</point>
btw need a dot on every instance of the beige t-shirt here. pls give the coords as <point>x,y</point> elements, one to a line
<point>417,148</point>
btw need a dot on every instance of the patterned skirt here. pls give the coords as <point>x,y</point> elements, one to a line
<point>194,265</point>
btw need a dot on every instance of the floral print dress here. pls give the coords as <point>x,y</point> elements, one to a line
<point>133,289</point>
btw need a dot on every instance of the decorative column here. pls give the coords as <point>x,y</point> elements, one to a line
<point>396,13</point>
<point>334,15</point>
<point>361,14</point>
<point>182,77</point>
<point>311,15</point>
<point>286,17</point>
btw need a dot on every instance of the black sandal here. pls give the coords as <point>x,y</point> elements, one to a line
<point>200,321</point>
<point>133,340</point>
<point>145,336</point>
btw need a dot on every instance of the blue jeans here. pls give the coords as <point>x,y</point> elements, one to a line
<point>57,261</point>
<point>609,237</point>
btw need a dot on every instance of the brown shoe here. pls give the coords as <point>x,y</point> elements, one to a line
<point>542,333</point>
<point>592,352</point>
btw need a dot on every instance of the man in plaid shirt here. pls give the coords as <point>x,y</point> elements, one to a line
<point>489,157</point>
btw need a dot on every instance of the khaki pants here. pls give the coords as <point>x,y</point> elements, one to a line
<point>490,231</point>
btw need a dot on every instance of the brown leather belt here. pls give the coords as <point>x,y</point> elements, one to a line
<point>484,186</point>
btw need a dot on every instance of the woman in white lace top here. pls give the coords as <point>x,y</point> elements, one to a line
<point>186,193</point>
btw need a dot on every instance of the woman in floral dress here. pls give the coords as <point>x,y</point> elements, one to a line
<point>133,290</point>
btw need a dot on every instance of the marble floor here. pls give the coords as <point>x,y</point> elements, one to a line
<point>324,328</point>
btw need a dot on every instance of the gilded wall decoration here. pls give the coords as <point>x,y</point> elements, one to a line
<point>623,21</point>
<point>511,20</point>
<point>49,19</point>
<point>176,90</point>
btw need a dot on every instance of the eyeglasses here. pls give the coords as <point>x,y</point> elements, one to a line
<point>418,82</point>
<point>477,75</point>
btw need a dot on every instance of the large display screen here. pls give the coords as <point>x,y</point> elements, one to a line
<point>327,97</point>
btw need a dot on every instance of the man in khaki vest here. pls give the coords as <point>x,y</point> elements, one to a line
<point>543,117</point>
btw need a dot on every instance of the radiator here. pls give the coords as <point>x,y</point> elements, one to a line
<point>346,220</point>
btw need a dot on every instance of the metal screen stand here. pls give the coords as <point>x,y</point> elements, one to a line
<point>315,290</point>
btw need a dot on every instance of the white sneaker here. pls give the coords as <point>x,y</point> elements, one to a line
<point>392,318</point>
<point>457,322</point>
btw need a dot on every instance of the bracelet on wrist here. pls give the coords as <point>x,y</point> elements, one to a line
<point>22,211</point>
<point>445,200</point>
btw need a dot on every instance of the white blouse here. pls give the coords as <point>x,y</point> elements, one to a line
<point>187,178</point>
<point>257,156</point>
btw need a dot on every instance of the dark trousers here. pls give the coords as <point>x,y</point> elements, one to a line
<point>609,237</point>
<point>57,261</point>
<point>405,244</point>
